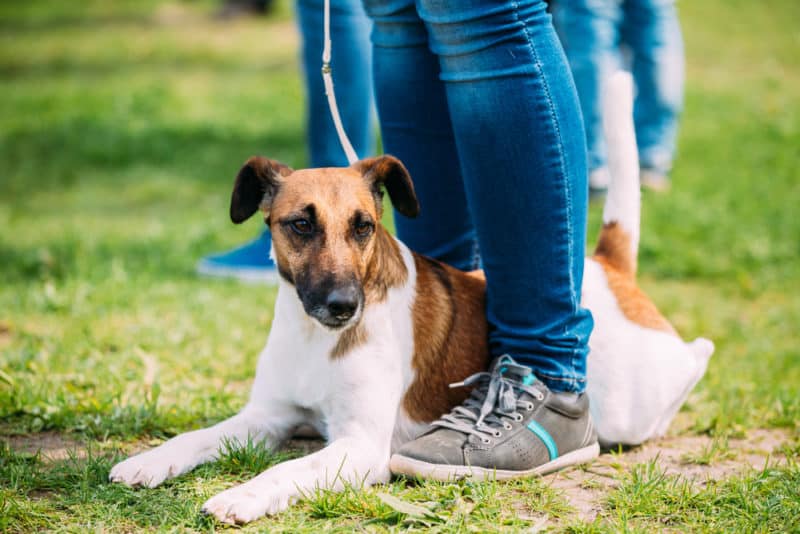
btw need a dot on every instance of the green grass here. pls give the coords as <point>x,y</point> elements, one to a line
<point>717,450</point>
<point>122,125</point>
<point>762,501</point>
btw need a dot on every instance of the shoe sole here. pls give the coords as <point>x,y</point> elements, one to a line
<point>403,465</point>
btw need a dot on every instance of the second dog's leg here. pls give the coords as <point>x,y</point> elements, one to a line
<point>186,451</point>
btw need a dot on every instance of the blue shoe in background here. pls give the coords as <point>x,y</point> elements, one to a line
<point>248,263</point>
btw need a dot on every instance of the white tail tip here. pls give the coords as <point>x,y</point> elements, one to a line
<point>703,348</point>
<point>622,203</point>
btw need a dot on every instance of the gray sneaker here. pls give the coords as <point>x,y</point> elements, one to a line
<point>510,426</point>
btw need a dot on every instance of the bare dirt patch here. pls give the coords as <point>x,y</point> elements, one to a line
<point>52,445</point>
<point>695,458</point>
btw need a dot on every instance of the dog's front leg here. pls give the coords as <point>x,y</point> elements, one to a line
<point>360,418</point>
<point>182,453</point>
<point>351,460</point>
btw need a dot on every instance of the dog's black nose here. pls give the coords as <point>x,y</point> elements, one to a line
<point>343,302</point>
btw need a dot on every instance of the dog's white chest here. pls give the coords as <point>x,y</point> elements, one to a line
<point>299,366</point>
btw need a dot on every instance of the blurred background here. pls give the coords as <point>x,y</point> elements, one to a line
<point>123,123</point>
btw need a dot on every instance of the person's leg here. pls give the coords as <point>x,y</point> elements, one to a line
<point>415,127</point>
<point>521,153</point>
<point>521,146</point>
<point>653,32</point>
<point>352,76</point>
<point>588,30</point>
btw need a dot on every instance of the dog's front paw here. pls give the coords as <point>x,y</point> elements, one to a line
<point>246,503</point>
<point>150,468</point>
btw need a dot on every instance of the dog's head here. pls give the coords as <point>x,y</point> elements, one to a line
<point>325,226</point>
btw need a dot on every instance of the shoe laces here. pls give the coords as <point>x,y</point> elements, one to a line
<point>495,400</point>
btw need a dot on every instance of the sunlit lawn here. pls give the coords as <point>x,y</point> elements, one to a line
<point>121,127</point>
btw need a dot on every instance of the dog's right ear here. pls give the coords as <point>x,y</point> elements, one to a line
<point>389,171</point>
<point>255,187</point>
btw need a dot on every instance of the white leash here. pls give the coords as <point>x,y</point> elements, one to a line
<point>328,80</point>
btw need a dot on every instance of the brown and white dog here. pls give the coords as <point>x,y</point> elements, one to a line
<point>367,335</point>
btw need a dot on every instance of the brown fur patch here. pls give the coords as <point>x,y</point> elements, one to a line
<point>450,337</point>
<point>385,269</point>
<point>350,339</point>
<point>633,302</point>
<point>614,244</point>
<point>477,274</point>
<point>391,172</point>
<point>614,253</point>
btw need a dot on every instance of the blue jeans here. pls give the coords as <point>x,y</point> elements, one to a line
<point>476,98</point>
<point>352,78</point>
<point>592,32</point>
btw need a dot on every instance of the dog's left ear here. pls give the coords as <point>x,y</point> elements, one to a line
<point>255,187</point>
<point>393,175</point>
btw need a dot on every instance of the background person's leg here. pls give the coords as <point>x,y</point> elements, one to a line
<point>652,30</point>
<point>588,30</point>
<point>415,126</point>
<point>521,145</point>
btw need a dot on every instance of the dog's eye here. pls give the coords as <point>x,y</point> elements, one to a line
<point>363,228</point>
<point>301,227</point>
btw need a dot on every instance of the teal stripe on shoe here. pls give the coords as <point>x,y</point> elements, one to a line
<point>546,438</point>
<point>530,379</point>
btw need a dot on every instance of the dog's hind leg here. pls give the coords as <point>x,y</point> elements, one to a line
<point>702,349</point>
<point>184,452</point>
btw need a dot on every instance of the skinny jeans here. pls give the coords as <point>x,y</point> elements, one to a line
<point>477,99</point>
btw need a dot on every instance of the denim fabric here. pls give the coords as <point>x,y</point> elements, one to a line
<point>476,98</point>
<point>592,32</point>
<point>352,78</point>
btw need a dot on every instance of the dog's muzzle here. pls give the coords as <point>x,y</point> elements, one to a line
<point>339,307</point>
<point>343,303</point>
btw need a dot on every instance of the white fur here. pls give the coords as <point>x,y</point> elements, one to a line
<point>623,199</point>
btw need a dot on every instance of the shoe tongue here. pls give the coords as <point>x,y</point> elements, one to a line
<point>509,369</point>
<point>507,400</point>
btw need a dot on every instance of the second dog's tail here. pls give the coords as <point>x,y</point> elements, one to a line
<point>619,239</point>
